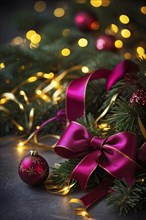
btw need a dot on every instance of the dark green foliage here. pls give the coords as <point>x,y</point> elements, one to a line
<point>62,171</point>
<point>125,198</point>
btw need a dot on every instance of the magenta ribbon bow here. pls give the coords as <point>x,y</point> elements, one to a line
<point>116,154</point>
<point>75,95</point>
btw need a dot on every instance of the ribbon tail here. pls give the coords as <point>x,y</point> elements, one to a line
<point>85,168</point>
<point>95,195</point>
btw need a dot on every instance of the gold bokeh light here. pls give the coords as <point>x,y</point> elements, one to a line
<point>65,52</point>
<point>85,69</point>
<point>66,32</point>
<point>105,3</point>
<point>29,34</point>
<point>32,79</point>
<point>40,6</point>
<point>143,10</point>
<point>114,28</point>
<point>59,12</point>
<point>127,55</point>
<point>140,51</point>
<point>124,19</point>
<point>96,3</point>
<point>118,44</point>
<point>35,39</point>
<point>2,65</point>
<point>82,42</point>
<point>125,33</point>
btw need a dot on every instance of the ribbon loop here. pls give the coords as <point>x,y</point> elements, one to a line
<point>114,154</point>
<point>76,91</point>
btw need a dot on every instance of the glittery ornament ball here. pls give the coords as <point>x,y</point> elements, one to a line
<point>33,169</point>
<point>105,42</point>
<point>138,97</point>
<point>86,21</point>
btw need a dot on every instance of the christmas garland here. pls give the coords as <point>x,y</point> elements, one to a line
<point>101,154</point>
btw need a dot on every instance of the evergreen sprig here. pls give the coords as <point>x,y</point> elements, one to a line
<point>125,198</point>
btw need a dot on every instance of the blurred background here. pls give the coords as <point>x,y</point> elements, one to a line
<point>9,11</point>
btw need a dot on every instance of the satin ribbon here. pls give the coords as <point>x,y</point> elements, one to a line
<point>116,154</point>
<point>60,118</point>
<point>76,91</point>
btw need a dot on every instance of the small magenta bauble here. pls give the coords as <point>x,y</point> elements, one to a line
<point>33,169</point>
<point>105,42</point>
<point>85,21</point>
<point>138,97</point>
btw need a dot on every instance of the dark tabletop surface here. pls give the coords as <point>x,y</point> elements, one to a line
<point>19,201</point>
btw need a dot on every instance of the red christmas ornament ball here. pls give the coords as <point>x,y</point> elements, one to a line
<point>105,42</point>
<point>33,169</point>
<point>86,21</point>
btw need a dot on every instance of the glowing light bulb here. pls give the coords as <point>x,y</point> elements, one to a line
<point>118,44</point>
<point>39,73</point>
<point>125,33</point>
<point>82,42</point>
<point>38,92</point>
<point>114,28</point>
<point>20,128</point>
<point>54,83</point>
<point>65,52</point>
<point>143,10</point>
<point>32,79</point>
<point>127,55</point>
<point>85,69</point>
<point>35,39</point>
<point>40,6</point>
<point>21,144</point>
<point>3,101</point>
<point>59,12</point>
<point>66,32</point>
<point>2,65</point>
<point>96,3</point>
<point>20,147</point>
<point>17,41</point>
<point>29,34</point>
<point>124,19</point>
<point>48,75</point>
<point>140,50</point>
<point>84,213</point>
<point>32,46</point>
<point>95,25</point>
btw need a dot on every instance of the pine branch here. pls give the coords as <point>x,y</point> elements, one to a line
<point>124,117</point>
<point>89,123</point>
<point>125,198</point>
<point>62,171</point>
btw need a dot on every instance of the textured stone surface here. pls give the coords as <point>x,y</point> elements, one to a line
<point>22,202</point>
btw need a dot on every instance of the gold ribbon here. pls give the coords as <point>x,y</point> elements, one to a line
<point>42,145</point>
<point>113,99</point>
<point>11,96</point>
<point>78,206</point>
<point>142,128</point>
<point>61,190</point>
